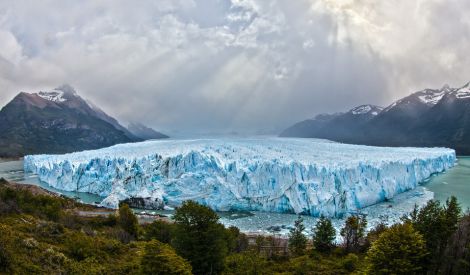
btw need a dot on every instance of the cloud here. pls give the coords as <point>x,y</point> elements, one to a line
<point>240,65</point>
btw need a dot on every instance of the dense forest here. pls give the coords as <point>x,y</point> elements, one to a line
<point>43,234</point>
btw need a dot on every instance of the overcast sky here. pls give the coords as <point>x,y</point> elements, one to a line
<point>239,65</point>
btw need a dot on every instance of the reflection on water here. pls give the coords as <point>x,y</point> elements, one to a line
<point>454,182</point>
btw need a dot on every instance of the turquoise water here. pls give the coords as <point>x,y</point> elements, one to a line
<point>455,182</point>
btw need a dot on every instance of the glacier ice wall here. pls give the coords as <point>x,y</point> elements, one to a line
<point>306,176</point>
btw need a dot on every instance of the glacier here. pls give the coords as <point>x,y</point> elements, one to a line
<point>286,175</point>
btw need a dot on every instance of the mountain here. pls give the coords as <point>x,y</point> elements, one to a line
<point>144,132</point>
<point>335,126</point>
<point>431,117</point>
<point>56,121</point>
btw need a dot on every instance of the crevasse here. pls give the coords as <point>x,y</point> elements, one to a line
<point>305,176</point>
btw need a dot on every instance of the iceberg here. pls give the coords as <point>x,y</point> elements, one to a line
<point>285,175</point>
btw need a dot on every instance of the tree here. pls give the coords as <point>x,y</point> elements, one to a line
<point>127,220</point>
<point>452,214</point>
<point>374,234</point>
<point>456,257</point>
<point>398,250</point>
<point>436,223</point>
<point>353,232</point>
<point>159,230</point>
<point>297,239</point>
<point>160,258</point>
<point>236,241</point>
<point>324,235</point>
<point>200,238</point>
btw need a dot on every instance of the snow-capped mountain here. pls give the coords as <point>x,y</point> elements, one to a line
<point>431,117</point>
<point>56,121</point>
<point>334,126</point>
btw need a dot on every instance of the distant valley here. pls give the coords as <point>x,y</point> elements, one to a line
<point>428,118</point>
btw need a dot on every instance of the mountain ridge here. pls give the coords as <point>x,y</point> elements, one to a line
<point>56,121</point>
<point>430,117</point>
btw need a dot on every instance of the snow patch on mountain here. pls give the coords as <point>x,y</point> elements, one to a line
<point>54,95</point>
<point>463,92</point>
<point>365,109</point>
<point>431,97</point>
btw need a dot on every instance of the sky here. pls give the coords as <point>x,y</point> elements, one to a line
<point>223,66</point>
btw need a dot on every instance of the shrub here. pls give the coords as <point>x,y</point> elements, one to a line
<point>398,250</point>
<point>350,262</point>
<point>159,230</point>
<point>160,258</point>
<point>5,260</point>
<point>127,220</point>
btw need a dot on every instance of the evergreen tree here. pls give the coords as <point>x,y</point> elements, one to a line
<point>353,232</point>
<point>398,250</point>
<point>452,213</point>
<point>323,235</point>
<point>297,239</point>
<point>161,259</point>
<point>436,223</point>
<point>127,220</point>
<point>200,238</point>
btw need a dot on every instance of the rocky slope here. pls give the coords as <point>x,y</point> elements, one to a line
<point>56,121</point>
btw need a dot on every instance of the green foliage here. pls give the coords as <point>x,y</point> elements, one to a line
<point>23,201</point>
<point>200,238</point>
<point>297,239</point>
<point>159,230</point>
<point>436,223</point>
<point>350,262</point>
<point>374,234</point>
<point>248,263</point>
<point>127,220</point>
<point>4,258</point>
<point>40,235</point>
<point>160,258</point>
<point>398,250</point>
<point>456,257</point>
<point>236,241</point>
<point>353,233</point>
<point>324,235</point>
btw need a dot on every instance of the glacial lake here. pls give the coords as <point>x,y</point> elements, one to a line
<point>455,181</point>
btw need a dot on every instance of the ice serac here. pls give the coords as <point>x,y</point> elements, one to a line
<point>306,176</point>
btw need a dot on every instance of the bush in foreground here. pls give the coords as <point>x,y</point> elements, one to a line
<point>398,250</point>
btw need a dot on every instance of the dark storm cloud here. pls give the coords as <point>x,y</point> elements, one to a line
<point>240,65</point>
